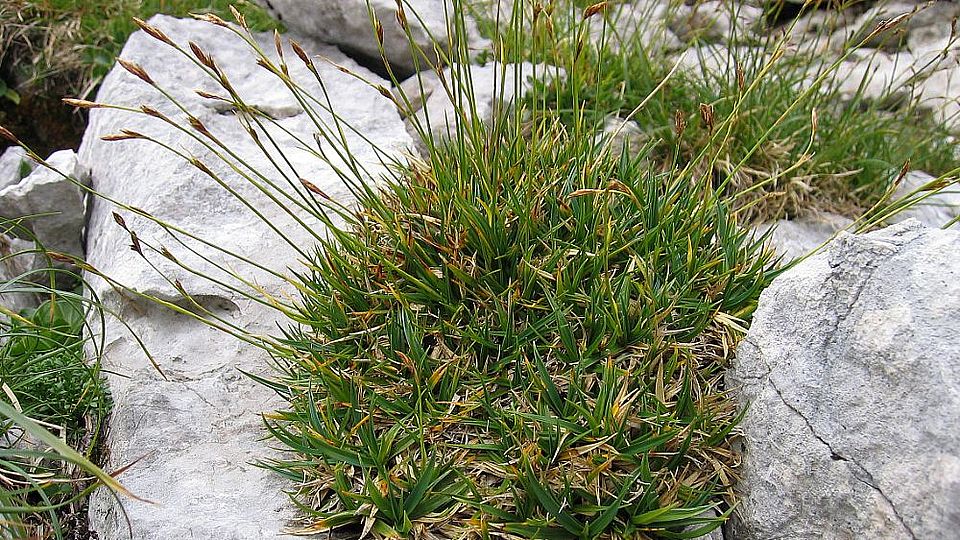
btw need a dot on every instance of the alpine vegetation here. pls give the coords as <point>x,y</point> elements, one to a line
<point>513,327</point>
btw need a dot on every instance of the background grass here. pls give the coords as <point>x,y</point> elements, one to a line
<point>780,160</point>
<point>50,49</point>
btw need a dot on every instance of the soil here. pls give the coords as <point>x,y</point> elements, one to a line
<point>43,123</point>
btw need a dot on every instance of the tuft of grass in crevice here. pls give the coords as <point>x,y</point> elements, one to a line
<point>524,342</point>
<point>53,406</point>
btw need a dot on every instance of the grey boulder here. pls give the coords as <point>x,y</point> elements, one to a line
<point>14,165</point>
<point>55,191</point>
<point>19,263</point>
<point>347,24</point>
<point>492,86</point>
<point>794,238</point>
<point>851,376</point>
<point>933,207</point>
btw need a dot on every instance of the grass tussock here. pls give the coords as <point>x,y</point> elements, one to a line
<point>524,342</point>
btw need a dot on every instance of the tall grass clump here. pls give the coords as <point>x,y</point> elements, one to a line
<point>521,331</point>
<point>527,342</point>
<point>52,410</point>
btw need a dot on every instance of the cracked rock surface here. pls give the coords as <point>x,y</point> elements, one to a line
<point>851,370</point>
<point>192,435</point>
<point>346,24</point>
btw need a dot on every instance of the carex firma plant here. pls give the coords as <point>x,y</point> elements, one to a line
<point>518,332</point>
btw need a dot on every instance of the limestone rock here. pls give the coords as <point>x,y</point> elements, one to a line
<point>493,86</point>
<point>850,372</point>
<point>622,135</point>
<point>932,209</point>
<point>644,21</point>
<point>196,429</point>
<point>18,262</point>
<point>716,62</point>
<point>795,238</point>
<point>46,191</point>
<point>925,27</point>
<point>716,21</point>
<point>346,24</point>
<point>14,166</point>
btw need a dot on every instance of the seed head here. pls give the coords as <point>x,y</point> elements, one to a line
<point>892,22</point>
<point>202,56</point>
<point>83,104</point>
<point>594,9</point>
<point>202,166</point>
<point>153,31</point>
<point>8,135</point>
<point>312,187</point>
<point>60,257</point>
<point>903,173</point>
<point>210,18</point>
<point>124,135</point>
<point>196,124</point>
<point>150,111</point>
<point>379,28</point>
<point>304,57</point>
<point>166,253</point>
<point>401,15</point>
<point>136,70</point>
<point>120,221</point>
<point>241,20</point>
<point>208,95</point>
<point>135,243</point>
<point>679,122</point>
<point>706,114</point>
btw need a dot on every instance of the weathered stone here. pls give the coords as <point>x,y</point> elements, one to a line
<point>816,33</point>
<point>877,75</point>
<point>644,22</point>
<point>850,372</point>
<point>933,208</point>
<point>621,135</point>
<point>54,192</point>
<point>921,26</point>
<point>14,166</point>
<point>196,430</point>
<point>492,87</point>
<point>716,20</point>
<point>931,28</point>
<point>19,261</point>
<point>347,24</point>
<point>939,92</point>
<point>719,62</point>
<point>794,238</point>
